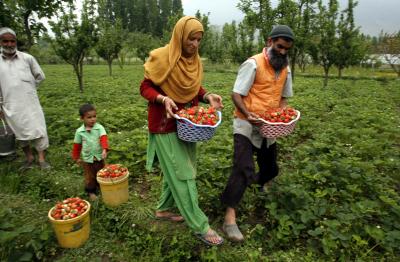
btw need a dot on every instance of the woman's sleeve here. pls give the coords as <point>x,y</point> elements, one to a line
<point>201,95</point>
<point>148,90</point>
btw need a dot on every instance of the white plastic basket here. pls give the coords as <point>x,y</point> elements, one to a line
<point>191,132</point>
<point>274,130</point>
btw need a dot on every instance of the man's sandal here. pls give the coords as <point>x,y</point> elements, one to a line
<point>26,165</point>
<point>232,232</point>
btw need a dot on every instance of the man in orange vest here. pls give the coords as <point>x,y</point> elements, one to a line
<point>263,81</point>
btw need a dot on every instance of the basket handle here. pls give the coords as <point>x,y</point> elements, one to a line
<point>4,126</point>
<point>262,120</point>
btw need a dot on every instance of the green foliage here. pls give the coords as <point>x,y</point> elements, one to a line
<point>260,14</point>
<point>300,16</point>
<point>325,45</point>
<point>73,39</point>
<point>143,44</point>
<point>44,53</point>
<point>229,39</point>
<point>22,236</point>
<point>215,49</point>
<point>246,46</point>
<point>336,198</point>
<point>351,48</point>
<point>24,17</point>
<point>389,47</point>
<point>320,36</point>
<point>206,41</point>
<point>145,16</point>
<point>110,41</point>
<point>238,42</point>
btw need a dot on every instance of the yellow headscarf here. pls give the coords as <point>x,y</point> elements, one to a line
<point>178,77</point>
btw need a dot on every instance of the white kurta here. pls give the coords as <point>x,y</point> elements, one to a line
<point>19,80</point>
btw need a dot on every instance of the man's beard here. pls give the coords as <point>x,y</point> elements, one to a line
<point>277,61</point>
<point>7,50</point>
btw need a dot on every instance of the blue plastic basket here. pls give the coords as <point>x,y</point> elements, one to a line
<point>191,132</point>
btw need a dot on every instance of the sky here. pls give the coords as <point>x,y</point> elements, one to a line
<point>371,16</point>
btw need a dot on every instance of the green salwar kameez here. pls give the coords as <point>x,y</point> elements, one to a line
<point>178,164</point>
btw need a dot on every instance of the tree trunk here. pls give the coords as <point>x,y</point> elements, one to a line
<point>79,74</point>
<point>80,77</point>
<point>340,72</point>
<point>109,61</point>
<point>293,66</point>
<point>121,60</point>
<point>395,69</point>
<point>28,32</point>
<point>326,77</point>
<point>303,67</point>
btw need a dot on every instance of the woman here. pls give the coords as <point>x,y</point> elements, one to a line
<point>173,75</point>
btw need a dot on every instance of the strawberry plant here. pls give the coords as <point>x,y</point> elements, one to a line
<point>336,197</point>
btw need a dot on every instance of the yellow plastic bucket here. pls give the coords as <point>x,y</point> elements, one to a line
<point>73,232</point>
<point>114,191</point>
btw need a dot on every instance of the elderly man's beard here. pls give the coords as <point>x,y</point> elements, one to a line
<point>277,61</point>
<point>8,50</point>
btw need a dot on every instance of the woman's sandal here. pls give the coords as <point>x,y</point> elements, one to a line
<point>204,237</point>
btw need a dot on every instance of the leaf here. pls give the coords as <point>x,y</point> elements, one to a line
<point>26,256</point>
<point>7,225</point>
<point>27,229</point>
<point>318,231</point>
<point>306,215</point>
<point>375,232</point>
<point>44,235</point>
<point>6,236</point>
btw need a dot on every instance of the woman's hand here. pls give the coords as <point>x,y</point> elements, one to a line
<point>215,101</point>
<point>170,106</point>
<point>168,103</point>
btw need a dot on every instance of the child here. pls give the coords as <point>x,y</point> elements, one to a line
<point>90,148</point>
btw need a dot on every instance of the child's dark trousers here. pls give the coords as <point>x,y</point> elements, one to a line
<point>90,172</point>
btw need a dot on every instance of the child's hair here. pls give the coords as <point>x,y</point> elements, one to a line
<point>86,108</point>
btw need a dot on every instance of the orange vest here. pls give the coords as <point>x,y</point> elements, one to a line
<point>266,91</point>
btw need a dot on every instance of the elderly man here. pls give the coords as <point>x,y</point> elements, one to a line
<point>20,76</point>
<point>263,81</point>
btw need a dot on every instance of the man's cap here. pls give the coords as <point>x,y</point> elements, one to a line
<point>6,30</point>
<point>281,31</point>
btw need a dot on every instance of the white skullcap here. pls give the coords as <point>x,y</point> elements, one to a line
<point>6,30</point>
